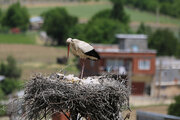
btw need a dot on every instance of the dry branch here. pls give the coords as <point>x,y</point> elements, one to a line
<point>99,98</point>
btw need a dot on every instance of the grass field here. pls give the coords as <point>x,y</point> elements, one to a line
<point>86,11</point>
<point>142,16</point>
<point>28,38</point>
<point>37,59</point>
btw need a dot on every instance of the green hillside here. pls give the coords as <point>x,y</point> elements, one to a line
<point>86,11</point>
<point>141,16</point>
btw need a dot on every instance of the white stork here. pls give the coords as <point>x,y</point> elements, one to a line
<point>83,50</point>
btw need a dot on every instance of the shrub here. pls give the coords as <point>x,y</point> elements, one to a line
<point>1,93</point>
<point>10,69</point>
<point>174,108</point>
<point>9,85</point>
<point>11,72</point>
<point>2,110</point>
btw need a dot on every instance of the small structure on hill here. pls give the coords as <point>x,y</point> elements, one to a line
<point>36,22</point>
<point>2,78</point>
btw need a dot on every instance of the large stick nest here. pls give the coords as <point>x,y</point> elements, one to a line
<point>98,98</point>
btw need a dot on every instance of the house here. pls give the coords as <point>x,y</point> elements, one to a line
<point>167,77</point>
<point>131,56</point>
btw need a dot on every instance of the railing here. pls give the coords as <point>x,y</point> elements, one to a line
<point>141,115</point>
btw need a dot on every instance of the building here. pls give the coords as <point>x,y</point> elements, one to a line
<point>130,56</point>
<point>36,22</point>
<point>167,77</point>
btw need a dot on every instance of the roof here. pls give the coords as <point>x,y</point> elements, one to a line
<point>125,51</point>
<point>36,19</point>
<point>131,36</point>
<point>115,49</point>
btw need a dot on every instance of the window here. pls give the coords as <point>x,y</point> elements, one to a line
<point>122,44</point>
<point>92,63</point>
<point>144,65</point>
<point>135,48</point>
<point>114,65</point>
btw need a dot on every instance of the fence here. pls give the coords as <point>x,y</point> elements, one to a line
<point>140,115</point>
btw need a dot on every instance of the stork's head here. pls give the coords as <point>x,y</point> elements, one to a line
<point>68,41</point>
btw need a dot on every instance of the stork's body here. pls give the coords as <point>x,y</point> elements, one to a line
<point>83,50</point>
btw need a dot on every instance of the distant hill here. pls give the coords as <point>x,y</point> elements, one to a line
<point>85,10</point>
<point>167,7</point>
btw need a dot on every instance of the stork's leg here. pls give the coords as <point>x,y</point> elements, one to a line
<point>82,70</point>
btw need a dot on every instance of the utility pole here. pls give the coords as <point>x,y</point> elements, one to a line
<point>157,15</point>
<point>159,78</point>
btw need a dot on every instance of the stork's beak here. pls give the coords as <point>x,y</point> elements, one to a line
<point>68,51</point>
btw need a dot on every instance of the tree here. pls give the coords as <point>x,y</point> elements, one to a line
<point>174,108</point>
<point>168,7</point>
<point>10,69</point>
<point>102,14</point>
<point>103,30</point>
<point>164,42</point>
<point>16,16</point>
<point>105,24</point>
<point>78,31</point>
<point>118,11</point>
<point>142,29</point>
<point>178,51</point>
<point>0,15</point>
<point>58,23</point>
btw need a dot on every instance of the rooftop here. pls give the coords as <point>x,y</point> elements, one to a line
<point>36,19</point>
<point>131,36</point>
<point>115,49</point>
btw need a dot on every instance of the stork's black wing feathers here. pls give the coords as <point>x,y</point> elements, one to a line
<point>93,53</point>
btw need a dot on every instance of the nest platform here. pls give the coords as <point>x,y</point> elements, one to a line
<point>97,97</point>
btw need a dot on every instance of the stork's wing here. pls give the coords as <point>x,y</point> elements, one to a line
<point>93,53</point>
<point>84,47</point>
